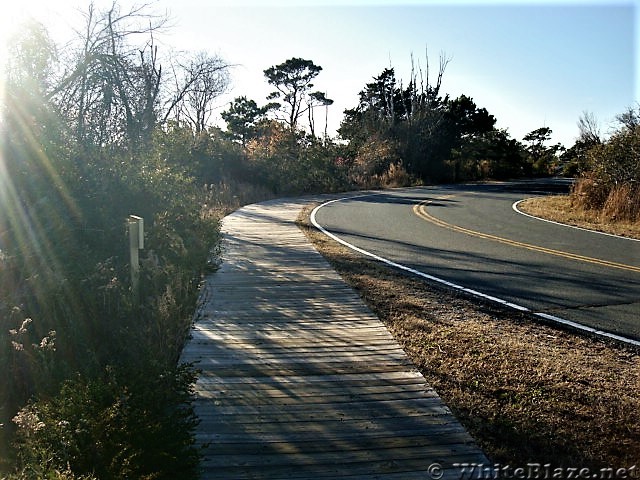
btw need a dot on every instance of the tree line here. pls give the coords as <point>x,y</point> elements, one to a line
<point>111,125</point>
<point>413,131</point>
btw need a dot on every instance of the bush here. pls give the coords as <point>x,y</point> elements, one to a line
<point>589,193</point>
<point>396,176</point>
<point>623,203</point>
<point>612,183</point>
<point>125,424</point>
<point>291,163</point>
<point>617,162</point>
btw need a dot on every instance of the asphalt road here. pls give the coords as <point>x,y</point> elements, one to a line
<point>471,236</point>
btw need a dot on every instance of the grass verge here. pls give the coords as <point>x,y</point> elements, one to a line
<point>526,392</point>
<point>559,208</point>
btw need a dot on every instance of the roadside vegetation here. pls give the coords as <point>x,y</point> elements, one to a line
<point>114,124</point>
<point>563,209</point>
<point>606,193</point>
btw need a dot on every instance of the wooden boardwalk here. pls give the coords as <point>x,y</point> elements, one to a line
<point>299,379</point>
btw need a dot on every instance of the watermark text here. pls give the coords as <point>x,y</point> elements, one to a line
<point>531,471</point>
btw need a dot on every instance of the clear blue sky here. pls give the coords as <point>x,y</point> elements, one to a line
<point>531,65</point>
<point>534,65</point>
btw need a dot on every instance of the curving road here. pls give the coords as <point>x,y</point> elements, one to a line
<point>472,237</point>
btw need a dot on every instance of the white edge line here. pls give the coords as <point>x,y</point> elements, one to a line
<point>517,210</point>
<point>584,328</point>
<point>553,318</point>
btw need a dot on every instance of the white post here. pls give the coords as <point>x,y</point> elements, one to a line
<point>136,242</point>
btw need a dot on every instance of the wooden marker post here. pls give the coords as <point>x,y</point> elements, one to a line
<point>136,243</point>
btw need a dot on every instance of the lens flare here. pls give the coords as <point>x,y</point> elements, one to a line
<point>34,200</point>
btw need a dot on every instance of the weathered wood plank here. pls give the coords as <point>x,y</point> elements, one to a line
<point>329,356</point>
<point>349,428</point>
<point>361,378</point>
<point>385,469</point>
<point>383,452</point>
<point>393,407</point>
<point>364,445</point>
<point>267,370</point>
<point>271,391</point>
<point>300,347</point>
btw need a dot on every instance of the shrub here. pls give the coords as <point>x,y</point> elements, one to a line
<point>376,156</point>
<point>395,176</point>
<point>291,163</point>
<point>589,193</point>
<point>612,183</point>
<point>623,203</point>
<point>617,161</point>
<point>124,424</point>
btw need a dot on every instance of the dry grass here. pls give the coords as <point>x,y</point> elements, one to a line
<point>623,203</point>
<point>560,208</point>
<point>526,392</point>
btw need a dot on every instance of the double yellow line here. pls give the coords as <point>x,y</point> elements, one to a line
<point>421,211</point>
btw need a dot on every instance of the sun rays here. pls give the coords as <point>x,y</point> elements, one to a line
<point>36,207</point>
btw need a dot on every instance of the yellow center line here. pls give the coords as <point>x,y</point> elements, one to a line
<point>421,211</point>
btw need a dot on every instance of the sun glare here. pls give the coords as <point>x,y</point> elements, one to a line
<point>12,16</point>
<point>5,27</point>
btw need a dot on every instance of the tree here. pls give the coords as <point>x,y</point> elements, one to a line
<point>379,96</point>
<point>29,127</point>
<point>466,119</point>
<point>542,159</point>
<point>114,90</point>
<point>317,99</point>
<point>30,62</point>
<point>378,105</point>
<point>630,118</point>
<point>437,138</point>
<point>589,129</point>
<point>111,88</point>
<point>243,117</point>
<point>575,160</point>
<point>206,77</point>
<point>292,80</point>
<point>410,117</point>
<point>491,154</point>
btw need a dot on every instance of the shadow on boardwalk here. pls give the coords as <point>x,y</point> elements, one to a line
<point>299,379</point>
